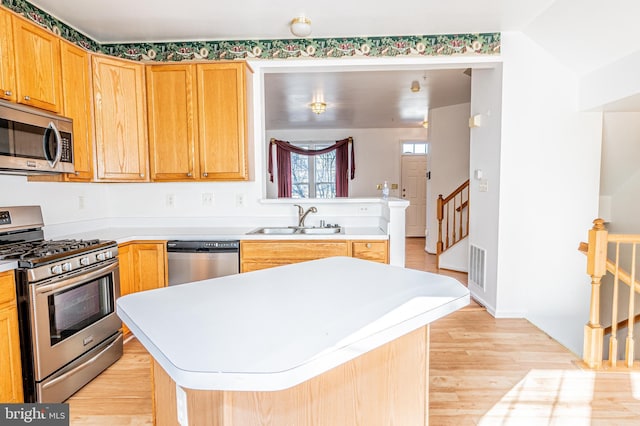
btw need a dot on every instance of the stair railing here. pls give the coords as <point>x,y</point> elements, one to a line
<point>598,264</point>
<point>453,219</point>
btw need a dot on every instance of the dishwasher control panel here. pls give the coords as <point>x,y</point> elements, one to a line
<point>202,245</point>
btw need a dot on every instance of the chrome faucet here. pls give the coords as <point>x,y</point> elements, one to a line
<point>302,214</point>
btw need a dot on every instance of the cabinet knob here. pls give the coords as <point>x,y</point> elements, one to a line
<point>142,175</point>
<point>368,245</point>
<point>7,93</point>
<point>205,174</point>
<point>27,98</point>
<point>189,174</point>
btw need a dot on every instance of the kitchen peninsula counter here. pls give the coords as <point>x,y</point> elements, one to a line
<point>243,345</point>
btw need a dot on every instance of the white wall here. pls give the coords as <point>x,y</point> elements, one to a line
<point>448,159</point>
<point>377,153</point>
<point>484,207</point>
<point>549,179</point>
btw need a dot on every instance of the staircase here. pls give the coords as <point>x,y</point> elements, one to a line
<point>623,248</point>
<point>453,219</point>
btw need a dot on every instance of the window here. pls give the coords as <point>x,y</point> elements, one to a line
<point>313,176</point>
<point>416,148</point>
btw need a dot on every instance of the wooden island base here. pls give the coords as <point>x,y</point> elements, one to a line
<point>387,385</point>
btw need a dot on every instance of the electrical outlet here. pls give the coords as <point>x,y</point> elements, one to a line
<point>483,186</point>
<point>240,200</point>
<point>171,200</point>
<point>81,202</point>
<point>207,199</point>
<point>181,406</point>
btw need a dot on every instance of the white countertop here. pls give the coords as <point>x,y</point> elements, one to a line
<point>123,235</point>
<point>8,265</point>
<point>275,328</point>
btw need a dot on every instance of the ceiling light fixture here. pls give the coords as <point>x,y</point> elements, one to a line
<point>318,107</point>
<point>415,86</point>
<point>300,26</point>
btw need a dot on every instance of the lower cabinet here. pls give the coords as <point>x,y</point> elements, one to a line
<point>11,370</point>
<point>263,254</point>
<point>143,266</point>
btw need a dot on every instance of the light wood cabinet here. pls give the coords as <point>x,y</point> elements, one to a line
<point>255,255</point>
<point>263,254</point>
<point>120,120</point>
<point>7,70</point>
<point>76,96</point>
<point>143,266</point>
<point>11,371</point>
<point>198,121</point>
<point>377,251</point>
<point>171,103</point>
<point>37,66</point>
<point>222,121</point>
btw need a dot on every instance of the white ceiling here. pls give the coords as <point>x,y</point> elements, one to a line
<point>583,34</point>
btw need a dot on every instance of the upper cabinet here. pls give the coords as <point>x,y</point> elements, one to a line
<point>76,95</point>
<point>222,120</point>
<point>173,150</point>
<point>7,70</point>
<point>37,66</point>
<point>198,121</point>
<point>120,120</point>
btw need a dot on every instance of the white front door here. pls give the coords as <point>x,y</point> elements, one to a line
<point>414,189</point>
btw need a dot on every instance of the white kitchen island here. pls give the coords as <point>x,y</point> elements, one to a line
<point>337,341</point>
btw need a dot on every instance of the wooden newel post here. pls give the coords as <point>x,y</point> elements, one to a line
<point>597,268</point>
<point>440,215</point>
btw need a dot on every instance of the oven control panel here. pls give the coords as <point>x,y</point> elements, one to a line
<point>72,264</point>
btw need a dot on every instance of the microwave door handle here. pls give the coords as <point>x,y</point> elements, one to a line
<point>52,128</point>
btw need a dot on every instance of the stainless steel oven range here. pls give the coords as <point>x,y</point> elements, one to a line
<point>69,331</point>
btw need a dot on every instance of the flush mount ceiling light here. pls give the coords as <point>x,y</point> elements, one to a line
<point>318,107</point>
<point>300,26</point>
<point>415,86</point>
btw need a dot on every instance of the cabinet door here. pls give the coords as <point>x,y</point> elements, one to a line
<point>172,122</point>
<point>264,254</point>
<point>7,71</point>
<point>76,95</point>
<point>222,116</point>
<point>150,265</point>
<point>37,62</point>
<point>120,120</point>
<point>11,370</point>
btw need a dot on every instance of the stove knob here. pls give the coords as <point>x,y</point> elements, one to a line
<point>109,254</point>
<point>101,256</point>
<point>66,267</point>
<point>84,261</point>
<point>57,269</point>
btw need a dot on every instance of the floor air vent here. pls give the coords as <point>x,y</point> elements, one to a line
<point>477,264</point>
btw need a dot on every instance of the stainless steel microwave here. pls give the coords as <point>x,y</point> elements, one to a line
<point>34,141</point>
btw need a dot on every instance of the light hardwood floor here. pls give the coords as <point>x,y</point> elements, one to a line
<point>484,371</point>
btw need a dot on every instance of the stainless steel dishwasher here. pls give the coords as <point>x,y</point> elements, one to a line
<point>200,260</point>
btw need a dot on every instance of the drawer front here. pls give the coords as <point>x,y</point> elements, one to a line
<point>370,250</point>
<point>7,288</point>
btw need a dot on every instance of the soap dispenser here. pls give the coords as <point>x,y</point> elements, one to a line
<point>385,190</point>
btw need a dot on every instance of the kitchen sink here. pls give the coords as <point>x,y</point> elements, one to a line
<point>320,231</point>
<point>288,230</point>
<point>275,230</point>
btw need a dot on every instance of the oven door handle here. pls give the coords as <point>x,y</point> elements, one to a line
<point>81,366</point>
<point>73,281</point>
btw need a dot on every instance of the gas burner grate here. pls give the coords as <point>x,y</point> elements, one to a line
<point>43,249</point>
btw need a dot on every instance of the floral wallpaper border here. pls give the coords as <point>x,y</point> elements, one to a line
<point>390,46</point>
